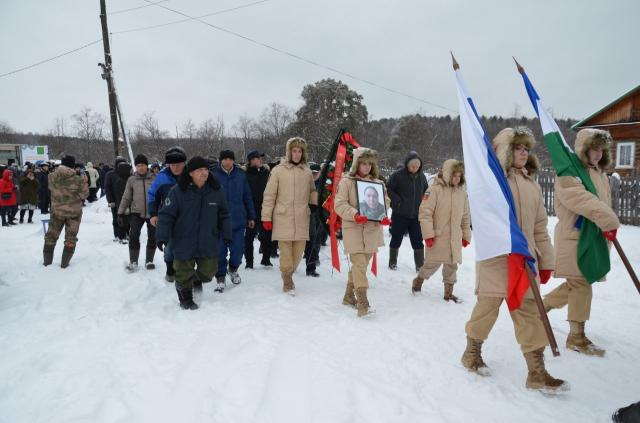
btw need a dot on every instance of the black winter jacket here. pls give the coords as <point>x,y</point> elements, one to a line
<point>406,190</point>
<point>257,178</point>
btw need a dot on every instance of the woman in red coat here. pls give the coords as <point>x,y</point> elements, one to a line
<point>7,197</point>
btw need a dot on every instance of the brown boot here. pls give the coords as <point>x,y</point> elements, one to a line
<point>416,287</point>
<point>578,341</point>
<point>349,298</point>
<point>288,286</point>
<point>67,253</point>
<point>472,357</point>
<point>448,293</point>
<point>362,303</point>
<point>538,377</point>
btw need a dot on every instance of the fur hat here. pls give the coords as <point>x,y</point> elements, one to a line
<point>300,143</point>
<point>449,167</point>
<point>227,154</point>
<point>141,159</point>
<point>365,154</point>
<point>68,161</point>
<point>589,138</point>
<point>197,162</point>
<point>175,155</point>
<point>507,139</point>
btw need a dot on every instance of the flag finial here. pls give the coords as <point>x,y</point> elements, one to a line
<point>456,66</point>
<point>520,68</point>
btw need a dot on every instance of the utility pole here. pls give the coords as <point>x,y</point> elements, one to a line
<point>107,75</point>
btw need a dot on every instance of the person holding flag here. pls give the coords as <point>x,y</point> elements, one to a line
<point>573,203</point>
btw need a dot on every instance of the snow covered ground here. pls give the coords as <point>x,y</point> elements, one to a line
<point>94,344</point>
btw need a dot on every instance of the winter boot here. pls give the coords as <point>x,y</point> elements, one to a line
<point>313,273</point>
<point>393,258</point>
<point>132,267</point>
<point>67,253</point>
<point>133,260</point>
<point>418,258</point>
<point>170,275</point>
<point>235,277</point>
<point>472,357</point>
<point>416,286</point>
<point>185,295</point>
<point>448,293</point>
<point>538,377</point>
<point>349,298</point>
<point>248,265</point>
<point>221,284</point>
<point>197,285</point>
<point>578,341</point>
<point>266,262</point>
<point>150,253</point>
<point>362,303</point>
<point>288,286</point>
<point>47,254</point>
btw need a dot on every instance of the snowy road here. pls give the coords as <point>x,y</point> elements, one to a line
<point>94,344</point>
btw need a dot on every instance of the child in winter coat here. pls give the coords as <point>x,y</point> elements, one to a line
<point>361,237</point>
<point>7,197</point>
<point>445,223</point>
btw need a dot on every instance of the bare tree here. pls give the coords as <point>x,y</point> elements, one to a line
<point>212,133</point>
<point>147,131</point>
<point>5,128</point>
<point>272,126</point>
<point>90,127</point>
<point>245,130</point>
<point>189,130</point>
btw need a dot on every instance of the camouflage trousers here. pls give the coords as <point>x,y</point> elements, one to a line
<point>56,223</point>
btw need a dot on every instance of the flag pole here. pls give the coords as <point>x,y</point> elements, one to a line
<point>625,260</point>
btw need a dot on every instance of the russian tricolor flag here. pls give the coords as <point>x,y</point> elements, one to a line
<point>495,225</point>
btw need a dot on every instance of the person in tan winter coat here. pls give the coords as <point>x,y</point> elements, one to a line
<point>445,223</point>
<point>361,237</point>
<point>512,148</point>
<point>285,207</point>
<point>572,200</point>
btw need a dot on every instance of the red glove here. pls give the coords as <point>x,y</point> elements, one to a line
<point>267,225</point>
<point>385,221</point>
<point>610,235</point>
<point>545,275</point>
<point>430,242</point>
<point>360,220</point>
<point>465,243</point>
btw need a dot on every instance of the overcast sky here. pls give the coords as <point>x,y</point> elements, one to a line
<point>579,54</point>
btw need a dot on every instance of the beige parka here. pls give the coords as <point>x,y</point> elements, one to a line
<point>289,192</point>
<point>358,238</point>
<point>492,274</point>
<point>444,215</point>
<point>573,200</point>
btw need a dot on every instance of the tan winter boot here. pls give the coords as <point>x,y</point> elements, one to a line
<point>349,298</point>
<point>538,377</point>
<point>362,303</point>
<point>578,341</point>
<point>416,287</point>
<point>472,357</point>
<point>448,293</point>
<point>288,286</point>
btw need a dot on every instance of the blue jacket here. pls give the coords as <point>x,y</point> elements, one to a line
<point>159,190</point>
<point>194,219</point>
<point>238,194</point>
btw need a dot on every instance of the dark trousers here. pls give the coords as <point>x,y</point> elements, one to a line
<point>199,269</point>
<point>43,201</point>
<point>93,195</point>
<point>235,250</point>
<point>119,232</point>
<point>265,243</point>
<point>400,225</point>
<point>135,227</point>
<point>22,213</point>
<point>312,247</point>
<point>6,213</point>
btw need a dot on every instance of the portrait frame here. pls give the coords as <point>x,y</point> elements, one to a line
<point>380,211</point>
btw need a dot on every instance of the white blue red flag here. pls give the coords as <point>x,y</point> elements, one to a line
<point>493,216</point>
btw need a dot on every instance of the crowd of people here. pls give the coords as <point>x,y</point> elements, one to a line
<point>204,214</point>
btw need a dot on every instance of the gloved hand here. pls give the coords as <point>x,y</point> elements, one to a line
<point>610,235</point>
<point>360,220</point>
<point>385,221</point>
<point>120,220</point>
<point>430,242</point>
<point>160,245</point>
<point>545,275</point>
<point>465,243</point>
<point>268,226</point>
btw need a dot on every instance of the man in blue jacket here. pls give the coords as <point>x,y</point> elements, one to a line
<point>243,215</point>
<point>194,217</point>
<point>175,159</point>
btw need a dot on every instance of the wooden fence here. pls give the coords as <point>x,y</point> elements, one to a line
<point>625,195</point>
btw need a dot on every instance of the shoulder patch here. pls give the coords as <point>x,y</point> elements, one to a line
<point>167,201</point>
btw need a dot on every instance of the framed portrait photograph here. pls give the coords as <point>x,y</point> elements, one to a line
<point>371,200</point>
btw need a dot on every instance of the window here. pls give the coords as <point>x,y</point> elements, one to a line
<point>625,154</point>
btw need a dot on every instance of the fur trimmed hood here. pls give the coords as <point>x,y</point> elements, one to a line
<point>503,145</point>
<point>449,167</point>
<point>594,138</point>
<point>297,142</point>
<point>363,153</point>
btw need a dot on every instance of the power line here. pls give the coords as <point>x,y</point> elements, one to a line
<point>302,59</point>
<point>134,8</point>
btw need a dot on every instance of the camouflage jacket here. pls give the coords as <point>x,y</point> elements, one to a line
<point>67,192</point>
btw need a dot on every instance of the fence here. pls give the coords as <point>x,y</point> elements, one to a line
<point>625,195</point>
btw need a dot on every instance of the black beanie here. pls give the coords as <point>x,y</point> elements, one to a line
<point>68,161</point>
<point>196,162</point>
<point>141,159</point>
<point>227,154</point>
<point>175,155</point>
